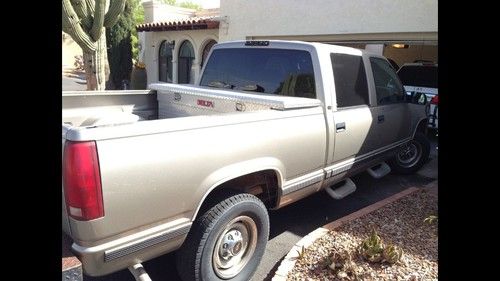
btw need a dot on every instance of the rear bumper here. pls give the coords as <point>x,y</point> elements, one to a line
<point>129,250</point>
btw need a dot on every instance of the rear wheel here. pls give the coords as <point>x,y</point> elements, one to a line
<point>227,241</point>
<point>412,156</point>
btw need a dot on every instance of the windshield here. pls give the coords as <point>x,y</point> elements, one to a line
<point>419,76</point>
<point>261,70</point>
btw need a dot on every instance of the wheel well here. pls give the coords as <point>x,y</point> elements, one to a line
<point>422,126</point>
<point>262,184</point>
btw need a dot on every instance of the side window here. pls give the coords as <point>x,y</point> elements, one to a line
<point>350,80</point>
<point>388,86</point>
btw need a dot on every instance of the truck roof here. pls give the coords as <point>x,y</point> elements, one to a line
<point>289,44</point>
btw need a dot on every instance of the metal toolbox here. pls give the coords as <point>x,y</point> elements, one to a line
<point>187,100</point>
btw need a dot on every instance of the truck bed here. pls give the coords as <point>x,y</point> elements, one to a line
<point>164,101</point>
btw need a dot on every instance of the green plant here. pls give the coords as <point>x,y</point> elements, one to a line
<point>119,43</point>
<point>85,21</point>
<point>184,4</point>
<point>138,16</point>
<point>169,2</point>
<point>139,77</point>
<point>431,219</point>
<point>341,265</point>
<point>328,262</point>
<point>372,247</point>
<point>301,253</point>
<point>189,5</point>
<point>392,254</point>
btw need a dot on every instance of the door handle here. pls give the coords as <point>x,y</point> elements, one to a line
<point>381,118</point>
<point>340,127</point>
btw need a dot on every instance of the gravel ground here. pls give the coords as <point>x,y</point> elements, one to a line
<point>400,223</point>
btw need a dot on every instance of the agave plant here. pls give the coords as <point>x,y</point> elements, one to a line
<point>392,254</point>
<point>431,219</point>
<point>372,248</point>
<point>301,253</point>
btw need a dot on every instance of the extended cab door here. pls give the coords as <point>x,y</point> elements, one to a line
<point>354,128</point>
<point>391,112</point>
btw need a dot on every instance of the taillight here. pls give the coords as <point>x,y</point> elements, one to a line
<point>82,180</point>
<point>435,100</point>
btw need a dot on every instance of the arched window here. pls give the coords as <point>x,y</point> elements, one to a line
<point>186,57</point>
<point>206,50</point>
<point>165,62</point>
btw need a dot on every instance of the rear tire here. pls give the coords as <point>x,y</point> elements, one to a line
<point>412,156</point>
<point>226,242</point>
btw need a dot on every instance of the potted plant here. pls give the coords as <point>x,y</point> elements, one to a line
<point>138,78</point>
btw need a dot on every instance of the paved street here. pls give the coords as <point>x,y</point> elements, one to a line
<point>73,83</point>
<point>290,224</point>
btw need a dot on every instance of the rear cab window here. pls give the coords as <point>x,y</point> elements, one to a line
<point>281,72</point>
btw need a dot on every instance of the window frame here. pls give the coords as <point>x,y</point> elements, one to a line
<point>338,108</point>
<point>312,60</point>
<point>375,101</point>
<point>205,52</point>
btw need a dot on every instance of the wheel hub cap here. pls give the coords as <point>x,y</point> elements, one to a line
<point>231,244</point>
<point>409,154</point>
<point>235,246</point>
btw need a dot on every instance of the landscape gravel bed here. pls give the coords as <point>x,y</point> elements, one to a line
<point>402,223</point>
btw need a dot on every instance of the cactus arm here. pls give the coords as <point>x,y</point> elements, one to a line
<point>90,6</point>
<point>80,7</point>
<point>71,25</point>
<point>96,30</point>
<point>115,9</point>
<point>66,26</point>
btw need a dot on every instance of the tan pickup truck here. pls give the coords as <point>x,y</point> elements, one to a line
<point>195,168</point>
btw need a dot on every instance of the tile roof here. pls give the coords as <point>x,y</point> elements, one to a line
<point>180,24</point>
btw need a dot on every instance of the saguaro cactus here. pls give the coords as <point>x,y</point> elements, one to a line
<point>85,21</point>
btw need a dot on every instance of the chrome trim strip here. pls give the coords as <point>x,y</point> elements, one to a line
<point>347,164</point>
<point>303,183</point>
<point>117,253</point>
<point>335,169</point>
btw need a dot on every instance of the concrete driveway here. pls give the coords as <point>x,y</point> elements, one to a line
<point>73,81</point>
<point>290,224</point>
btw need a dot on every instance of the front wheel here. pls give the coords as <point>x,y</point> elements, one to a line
<point>412,156</point>
<point>226,242</point>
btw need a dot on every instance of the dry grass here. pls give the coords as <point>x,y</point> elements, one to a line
<point>400,223</point>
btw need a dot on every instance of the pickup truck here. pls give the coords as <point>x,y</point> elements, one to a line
<point>195,168</point>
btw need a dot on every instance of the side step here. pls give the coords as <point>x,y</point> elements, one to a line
<point>382,170</point>
<point>340,192</point>
<point>139,272</point>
